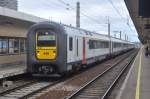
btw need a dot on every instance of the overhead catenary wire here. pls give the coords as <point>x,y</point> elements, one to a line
<point>82,13</point>
<point>115,8</point>
<point>53,5</point>
<point>67,6</point>
<point>94,20</point>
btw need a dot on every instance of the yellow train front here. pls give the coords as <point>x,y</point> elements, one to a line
<point>46,45</point>
<point>43,41</point>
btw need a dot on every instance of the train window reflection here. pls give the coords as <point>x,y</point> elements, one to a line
<point>96,44</point>
<point>3,46</point>
<point>22,46</point>
<point>16,46</point>
<point>12,45</point>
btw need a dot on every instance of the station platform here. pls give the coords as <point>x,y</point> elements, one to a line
<point>137,82</point>
<point>8,71</point>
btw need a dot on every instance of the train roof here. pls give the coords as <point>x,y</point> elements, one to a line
<point>81,32</point>
<point>96,35</point>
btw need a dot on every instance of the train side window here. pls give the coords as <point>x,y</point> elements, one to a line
<point>91,44</point>
<point>70,43</point>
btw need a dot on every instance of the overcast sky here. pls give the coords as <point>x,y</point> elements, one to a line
<point>94,14</point>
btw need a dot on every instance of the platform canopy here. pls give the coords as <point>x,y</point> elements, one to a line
<point>140,13</point>
<point>8,16</point>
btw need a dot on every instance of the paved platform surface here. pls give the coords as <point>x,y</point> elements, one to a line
<point>7,71</point>
<point>137,82</point>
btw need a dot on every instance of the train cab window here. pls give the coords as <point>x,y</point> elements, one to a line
<point>70,43</point>
<point>46,39</point>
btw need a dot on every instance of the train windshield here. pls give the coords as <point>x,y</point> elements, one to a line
<point>46,39</point>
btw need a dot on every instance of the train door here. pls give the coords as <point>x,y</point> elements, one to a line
<point>78,48</point>
<point>84,51</point>
<point>112,46</point>
<point>71,49</point>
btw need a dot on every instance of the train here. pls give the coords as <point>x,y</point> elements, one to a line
<point>54,48</point>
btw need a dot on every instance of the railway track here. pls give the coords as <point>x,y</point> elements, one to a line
<point>102,85</point>
<point>26,90</point>
<point>56,89</point>
<point>71,85</point>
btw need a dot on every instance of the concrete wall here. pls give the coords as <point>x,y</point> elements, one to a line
<point>8,60</point>
<point>15,24</point>
<point>14,29</point>
<point>133,6</point>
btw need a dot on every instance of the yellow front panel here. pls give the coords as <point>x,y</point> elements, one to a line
<point>46,45</point>
<point>46,54</point>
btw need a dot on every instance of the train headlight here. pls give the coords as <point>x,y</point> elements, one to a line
<point>38,54</point>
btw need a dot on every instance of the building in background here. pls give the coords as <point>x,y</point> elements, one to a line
<point>13,30</point>
<point>11,4</point>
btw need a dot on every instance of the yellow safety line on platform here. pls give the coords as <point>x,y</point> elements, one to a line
<point>137,94</point>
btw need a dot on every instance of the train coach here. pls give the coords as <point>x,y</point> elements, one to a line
<point>54,48</point>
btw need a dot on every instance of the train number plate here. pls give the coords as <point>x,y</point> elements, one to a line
<point>46,53</point>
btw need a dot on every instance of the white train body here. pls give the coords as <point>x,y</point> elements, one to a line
<point>70,47</point>
<point>83,54</point>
